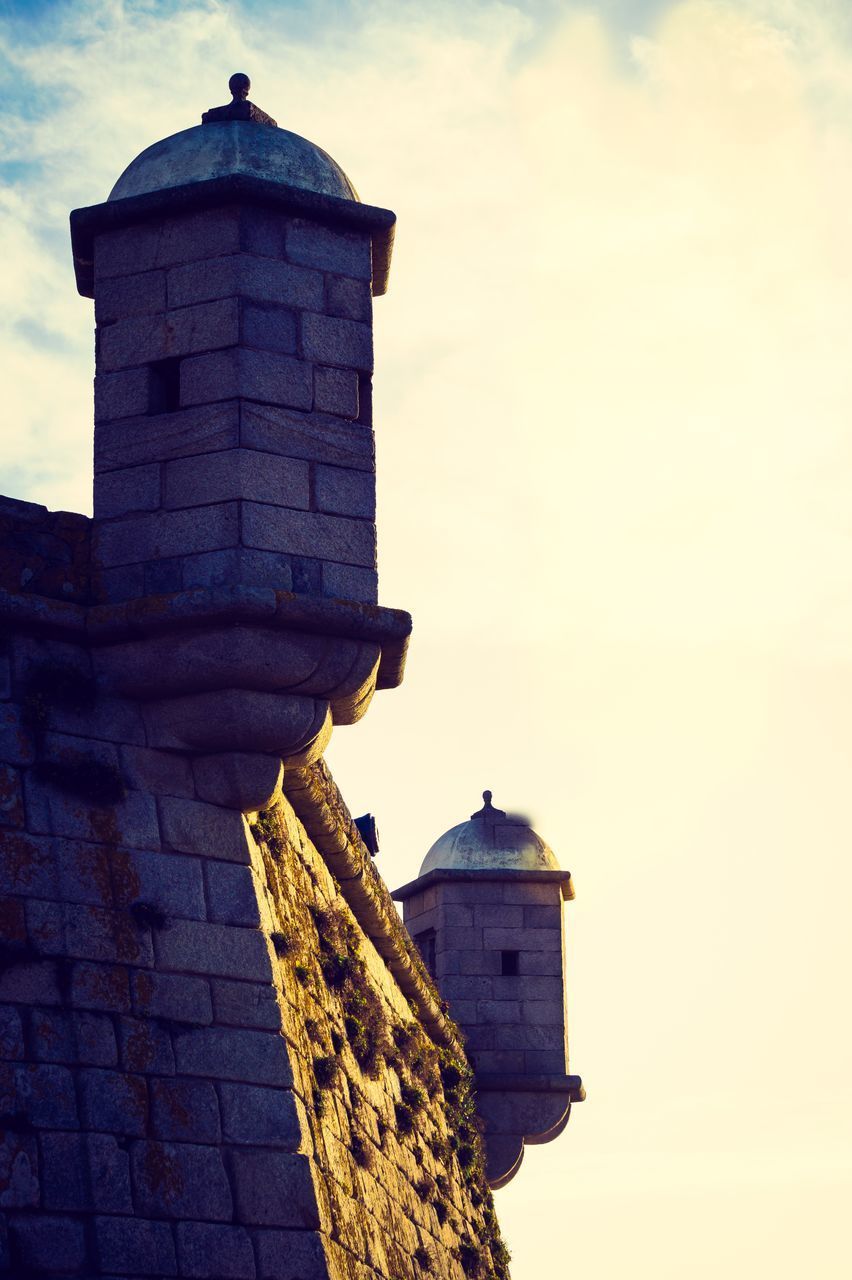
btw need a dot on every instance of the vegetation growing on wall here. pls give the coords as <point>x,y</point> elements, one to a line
<point>355,1038</point>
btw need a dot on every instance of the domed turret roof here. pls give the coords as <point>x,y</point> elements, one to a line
<point>238,138</point>
<point>491,840</point>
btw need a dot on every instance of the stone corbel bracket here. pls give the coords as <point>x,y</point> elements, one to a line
<point>247,669</point>
<point>235,670</point>
<point>521,1111</point>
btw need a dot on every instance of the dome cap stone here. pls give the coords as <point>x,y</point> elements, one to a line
<point>237,138</point>
<point>491,840</point>
<point>236,156</point>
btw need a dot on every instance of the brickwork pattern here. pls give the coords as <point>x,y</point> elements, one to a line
<point>233,436</point>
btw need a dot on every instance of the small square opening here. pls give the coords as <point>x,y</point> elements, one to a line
<point>510,965</point>
<point>164,385</point>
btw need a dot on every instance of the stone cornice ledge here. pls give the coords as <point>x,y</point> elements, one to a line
<point>440,874</point>
<point>493,1082</point>
<point>106,624</point>
<point>334,211</point>
<point>322,811</point>
<point>44,615</point>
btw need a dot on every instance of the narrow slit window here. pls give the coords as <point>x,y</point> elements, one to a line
<point>510,963</point>
<point>426,946</point>
<point>164,386</point>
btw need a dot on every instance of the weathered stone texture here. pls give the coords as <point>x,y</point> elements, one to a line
<point>134,1243</point>
<point>44,552</point>
<point>515,1024</point>
<point>316,437</point>
<point>344,492</point>
<point>191,826</point>
<point>175,997</point>
<point>196,946</point>
<point>185,1089</point>
<point>163,1008</point>
<point>185,1110</point>
<point>167,533</point>
<point>184,238</point>
<point>349,582</point>
<point>83,1172</point>
<point>137,295</point>
<point>180,1180</point>
<point>245,275</point>
<point>143,339</point>
<point>38,1244</point>
<point>206,1250</point>
<point>127,490</point>
<point>132,440</point>
<point>309,533</point>
<point>217,477</point>
<point>344,252</point>
<point>85,1038</point>
<point>336,391</point>
<point>328,340</point>
<point>244,372</point>
<point>228,363</point>
<point>121,395</point>
<point>349,298</point>
<point>233,895</point>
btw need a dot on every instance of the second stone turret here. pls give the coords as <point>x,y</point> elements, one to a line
<point>486,914</point>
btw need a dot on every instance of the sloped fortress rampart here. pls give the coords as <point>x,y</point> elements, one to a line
<point>221,1053</point>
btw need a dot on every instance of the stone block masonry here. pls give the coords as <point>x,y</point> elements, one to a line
<point>220,1055</point>
<point>45,553</point>
<point>207,1069</point>
<point>233,407</point>
<point>515,1020</point>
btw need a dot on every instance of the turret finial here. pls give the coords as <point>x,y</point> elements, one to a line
<point>239,108</point>
<point>488,813</point>
<point>240,85</point>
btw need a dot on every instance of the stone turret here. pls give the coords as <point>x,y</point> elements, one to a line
<point>233,268</point>
<point>220,1052</point>
<point>486,914</point>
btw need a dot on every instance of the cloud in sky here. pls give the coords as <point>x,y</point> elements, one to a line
<point>639,235</point>
<point>612,420</point>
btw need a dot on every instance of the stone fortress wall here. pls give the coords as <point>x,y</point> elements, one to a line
<point>221,1055</point>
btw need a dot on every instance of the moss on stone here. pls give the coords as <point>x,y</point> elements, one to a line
<point>326,1070</point>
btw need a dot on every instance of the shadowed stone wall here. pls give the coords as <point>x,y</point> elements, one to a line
<point>44,552</point>
<point>217,1060</point>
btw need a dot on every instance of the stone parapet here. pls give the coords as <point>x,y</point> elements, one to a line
<point>44,553</point>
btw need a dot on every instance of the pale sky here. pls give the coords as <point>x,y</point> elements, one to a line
<point>615,457</point>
